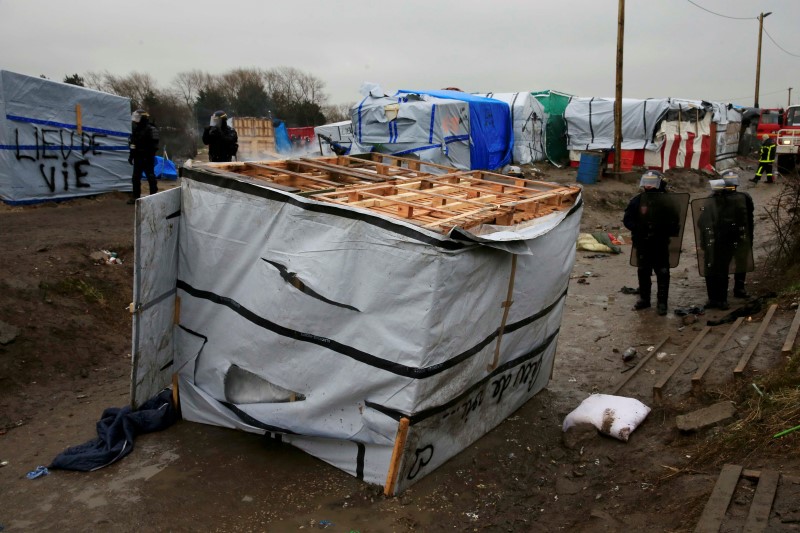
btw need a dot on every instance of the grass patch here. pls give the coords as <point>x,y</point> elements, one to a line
<point>767,405</point>
<point>74,287</point>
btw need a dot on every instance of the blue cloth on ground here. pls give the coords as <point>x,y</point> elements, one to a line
<point>165,169</point>
<point>39,472</point>
<point>116,431</point>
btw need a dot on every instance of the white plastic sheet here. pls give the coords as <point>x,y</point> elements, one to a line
<point>43,156</point>
<point>359,320</point>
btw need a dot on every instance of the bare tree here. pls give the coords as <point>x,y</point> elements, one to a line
<point>138,86</point>
<point>189,84</point>
<point>337,112</point>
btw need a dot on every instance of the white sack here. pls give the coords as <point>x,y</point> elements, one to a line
<point>615,416</point>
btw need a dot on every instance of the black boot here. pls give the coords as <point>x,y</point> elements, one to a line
<point>641,304</point>
<point>662,289</point>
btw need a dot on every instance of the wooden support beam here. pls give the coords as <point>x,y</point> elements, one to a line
<point>697,379</point>
<point>760,507</point>
<point>717,505</point>
<point>737,372</point>
<point>506,305</point>
<point>659,386</point>
<point>790,338</point>
<point>621,383</point>
<point>397,455</point>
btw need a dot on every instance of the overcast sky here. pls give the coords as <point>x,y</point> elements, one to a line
<point>672,47</point>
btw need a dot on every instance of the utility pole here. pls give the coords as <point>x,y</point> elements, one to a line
<point>618,96</point>
<point>790,98</point>
<point>761,18</point>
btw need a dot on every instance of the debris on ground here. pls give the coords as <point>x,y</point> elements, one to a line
<point>105,257</point>
<point>690,310</point>
<point>39,472</point>
<point>707,416</point>
<point>629,354</point>
<point>8,333</point>
<point>615,416</point>
<point>629,290</point>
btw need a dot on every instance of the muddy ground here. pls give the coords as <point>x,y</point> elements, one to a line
<point>71,359</point>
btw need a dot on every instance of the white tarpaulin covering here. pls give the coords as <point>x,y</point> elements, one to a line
<point>527,115</point>
<point>60,141</point>
<point>434,129</point>
<point>338,132</point>
<point>325,325</point>
<point>729,128</point>
<point>590,123</point>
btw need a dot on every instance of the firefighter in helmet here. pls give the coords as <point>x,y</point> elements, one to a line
<point>766,158</point>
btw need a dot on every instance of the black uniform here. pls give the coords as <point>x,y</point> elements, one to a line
<point>222,141</point>
<point>729,240</point>
<point>766,158</point>
<point>143,146</point>
<point>651,234</point>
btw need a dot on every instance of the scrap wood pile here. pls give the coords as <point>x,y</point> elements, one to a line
<point>407,189</point>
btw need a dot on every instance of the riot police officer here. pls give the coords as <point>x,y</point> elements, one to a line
<point>143,146</point>
<point>222,140</point>
<point>725,239</point>
<point>654,219</point>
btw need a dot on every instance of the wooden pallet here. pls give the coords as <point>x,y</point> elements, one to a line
<point>760,508</point>
<point>401,188</point>
<point>458,199</point>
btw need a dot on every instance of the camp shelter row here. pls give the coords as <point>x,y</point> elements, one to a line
<point>473,131</point>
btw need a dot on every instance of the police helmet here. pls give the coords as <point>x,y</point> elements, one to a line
<point>651,178</point>
<point>717,185</point>
<point>137,115</point>
<point>731,179</point>
<point>218,118</point>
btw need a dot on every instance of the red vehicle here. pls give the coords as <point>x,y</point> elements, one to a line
<point>769,122</point>
<point>788,136</point>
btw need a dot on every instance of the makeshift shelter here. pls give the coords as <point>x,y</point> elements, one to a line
<point>555,136</point>
<point>340,133</point>
<point>443,127</point>
<point>656,133</point>
<point>527,117</point>
<point>60,141</point>
<point>352,307</point>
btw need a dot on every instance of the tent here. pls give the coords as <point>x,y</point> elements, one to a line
<point>555,136</point>
<point>60,141</point>
<point>443,127</point>
<point>385,372</point>
<point>658,133</point>
<point>527,116</point>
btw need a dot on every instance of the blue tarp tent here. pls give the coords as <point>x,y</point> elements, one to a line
<point>282,143</point>
<point>491,130</point>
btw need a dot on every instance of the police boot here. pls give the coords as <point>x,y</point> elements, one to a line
<point>662,290</point>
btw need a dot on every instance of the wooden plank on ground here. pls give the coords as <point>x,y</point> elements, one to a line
<point>760,507</point>
<point>633,372</point>
<point>737,372</point>
<point>697,379</point>
<point>717,505</point>
<point>790,338</point>
<point>659,386</point>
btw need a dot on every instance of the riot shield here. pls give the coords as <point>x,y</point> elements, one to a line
<point>662,217</point>
<point>723,234</point>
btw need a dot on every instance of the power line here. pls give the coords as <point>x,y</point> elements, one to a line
<point>779,46</point>
<point>750,96</point>
<point>719,14</point>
